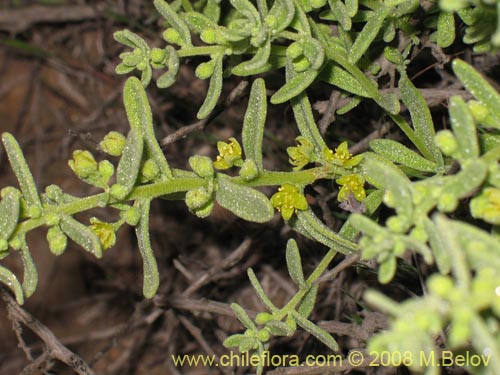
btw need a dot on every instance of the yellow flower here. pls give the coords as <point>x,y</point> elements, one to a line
<point>104,232</point>
<point>342,157</point>
<point>301,155</point>
<point>287,200</point>
<point>351,183</point>
<point>229,154</point>
<point>487,205</point>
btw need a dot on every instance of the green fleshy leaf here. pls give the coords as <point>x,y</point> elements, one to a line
<point>339,11</point>
<point>462,184</point>
<point>305,120</point>
<point>198,22</point>
<point>397,186</point>
<point>337,76</point>
<point>307,304</point>
<point>243,201</point>
<point>294,86</point>
<point>214,89</point>
<point>421,118</point>
<point>21,170</point>
<point>316,331</point>
<point>10,280</point>
<point>464,128</point>
<point>260,291</point>
<point>81,234</point>
<point>253,124</point>
<point>282,13</point>
<point>168,79</point>
<point>234,341</point>
<point>478,86</point>
<point>130,39</point>
<point>123,69</point>
<point>243,317</point>
<point>30,279</point>
<point>278,328</point>
<point>294,264</point>
<point>141,120</point>
<point>367,34</point>
<point>130,162</point>
<point>365,225</point>
<point>174,20</point>
<point>438,249</point>
<point>9,214</point>
<point>150,268</point>
<point>246,8</point>
<point>308,224</point>
<point>446,29</point>
<point>387,270</point>
<point>371,202</point>
<point>390,103</point>
<point>351,7</point>
<point>398,153</point>
<point>256,63</point>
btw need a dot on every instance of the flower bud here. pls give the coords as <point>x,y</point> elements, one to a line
<point>197,198</point>
<point>301,65</point>
<point>104,232</point>
<point>118,191</point>
<point>4,245</point>
<point>447,142</point>
<point>208,36</point>
<point>57,240</point>
<point>83,163</point>
<point>54,193</point>
<point>202,166</point>
<point>263,318</point>
<point>171,35</point>
<point>106,170</point>
<point>249,170</point>
<point>158,55</point>
<point>263,335</point>
<point>205,70</point>
<point>113,143</point>
<point>440,285</point>
<point>131,216</point>
<point>149,170</point>
<point>294,50</point>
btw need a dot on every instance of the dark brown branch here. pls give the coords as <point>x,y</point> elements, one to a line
<point>18,20</point>
<point>55,349</point>
<point>200,125</point>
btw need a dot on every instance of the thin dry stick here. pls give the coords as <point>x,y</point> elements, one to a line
<point>346,263</point>
<point>364,143</point>
<point>200,125</point>
<point>18,20</point>
<point>329,115</point>
<point>198,336</point>
<point>34,367</point>
<point>55,349</point>
<point>207,277</point>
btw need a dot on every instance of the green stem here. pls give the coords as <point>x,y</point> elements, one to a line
<point>322,266</point>
<point>171,186</point>
<point>200,51</point>
<point>290,35</point>
<point>187,6</point>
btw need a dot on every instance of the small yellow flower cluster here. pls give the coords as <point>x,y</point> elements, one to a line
<point>229,154</point>
<point>342,157</point>
<point>287,200</point>
<point>351,183</point>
